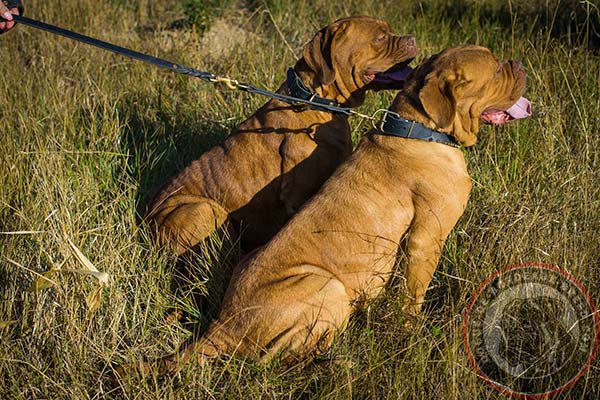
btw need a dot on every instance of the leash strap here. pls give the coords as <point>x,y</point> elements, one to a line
<point>312,101</point>
<point>180,69</point>
<point>394,125</point>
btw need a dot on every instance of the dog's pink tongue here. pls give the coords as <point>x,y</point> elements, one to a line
<point>521,109</point>
<point>394,76</point>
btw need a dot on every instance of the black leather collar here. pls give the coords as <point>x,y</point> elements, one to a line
<point>394,125</point>
<point>297,88</point>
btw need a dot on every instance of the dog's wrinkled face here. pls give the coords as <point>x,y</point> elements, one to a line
<point>352,51</point>
<point>463,86</point>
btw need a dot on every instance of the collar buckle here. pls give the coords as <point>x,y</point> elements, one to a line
<point>383,121</point>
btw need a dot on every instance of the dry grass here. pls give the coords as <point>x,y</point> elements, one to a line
<point>87,136</point>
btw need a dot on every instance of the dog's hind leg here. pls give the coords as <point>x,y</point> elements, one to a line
<point>183,221</point>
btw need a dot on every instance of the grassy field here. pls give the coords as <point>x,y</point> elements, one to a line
<point>86,137</point>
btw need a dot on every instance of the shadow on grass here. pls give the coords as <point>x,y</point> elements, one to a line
<point>160,144</point>
<point>201,279</point>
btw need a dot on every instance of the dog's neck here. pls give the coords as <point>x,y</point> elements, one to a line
<point>336,91</point>
<point>409,108</point>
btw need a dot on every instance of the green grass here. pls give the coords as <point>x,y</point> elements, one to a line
<point>87,136</point>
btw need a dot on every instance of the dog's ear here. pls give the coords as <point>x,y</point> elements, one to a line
<point>437,99</point>
<point>318,54</point>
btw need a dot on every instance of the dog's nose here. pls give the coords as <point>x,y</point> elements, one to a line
<point>410,45</point>
<point>411,41</point>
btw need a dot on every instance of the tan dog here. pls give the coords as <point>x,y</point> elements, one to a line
<point>296,293</point>
<point>279,157</point>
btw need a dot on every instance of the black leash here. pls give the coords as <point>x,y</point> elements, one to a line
<point>180,69</point>
<point>332,106</point>
<point>391,123</point>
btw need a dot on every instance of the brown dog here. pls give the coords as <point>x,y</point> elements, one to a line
<point>279,157</point>
<point>297,292</point>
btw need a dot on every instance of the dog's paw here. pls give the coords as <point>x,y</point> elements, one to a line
<point>411,310</point>
<point>410,322</point>
<point>125,372</point>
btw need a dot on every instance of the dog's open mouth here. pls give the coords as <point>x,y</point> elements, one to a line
<point>392,75</point>
<point>521,109</point>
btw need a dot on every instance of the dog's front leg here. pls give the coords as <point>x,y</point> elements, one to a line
<point>424,251</point>
<point>426,238</point>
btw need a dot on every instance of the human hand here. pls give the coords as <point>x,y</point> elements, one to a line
<point>7,22</point>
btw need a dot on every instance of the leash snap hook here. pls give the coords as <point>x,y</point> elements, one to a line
<point>230,83</point>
